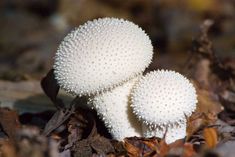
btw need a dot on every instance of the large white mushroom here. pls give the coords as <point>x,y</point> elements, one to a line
<point>100,55</point>
<point>114,109</point>
<point>162,99</point>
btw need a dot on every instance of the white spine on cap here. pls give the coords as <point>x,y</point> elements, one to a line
<point>172,133</point>
<point>100,55</point>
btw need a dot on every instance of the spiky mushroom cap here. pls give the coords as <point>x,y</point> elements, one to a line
<point>172,133</point>
<point>101,54</point>
<point>113,107</point>
<point>163,98</point>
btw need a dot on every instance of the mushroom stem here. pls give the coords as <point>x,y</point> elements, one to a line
<point>113,107</point>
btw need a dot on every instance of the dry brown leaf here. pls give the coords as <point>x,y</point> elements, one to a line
<point>180,148</point>
<point>146,147</point>
<point>89,142</point>
<point>102,145</point>
<point>163,148</point>
<point>199,120</point>
<point>51,88</point>
<point>151,143</point>
<point>206,112</point>
<point>59,117</point>
<point>177,143</point>
<point>9,121</point>
<point>188,150</point>
<point>82,149</point>
<point>7,149</point>
<point>132,150</point>
<point>118,147</point>
<point>211,137</point>
<point>141,146</point>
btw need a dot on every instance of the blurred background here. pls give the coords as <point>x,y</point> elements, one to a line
<point>31,30</point>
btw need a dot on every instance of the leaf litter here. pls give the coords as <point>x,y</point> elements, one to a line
<point>75,131</point>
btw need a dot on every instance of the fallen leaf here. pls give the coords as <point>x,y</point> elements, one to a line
<point>62,114</point>
<point>7,149</point>
<point>83,138</point>
<point>51,88</point>
<point>101,145</point>
<point>132,150</point>
<point>119,147</point>
<point>198,121</point>
<point>98,144</point>
<point>82,149</point>
<point>81,124</point>
<point>145,147</point>
<point>163,148</point>
<point>57,119</point>
<point>9,121</point>
<point>211,137</point>
<point>188,150</point>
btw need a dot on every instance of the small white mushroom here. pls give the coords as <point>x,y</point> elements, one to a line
<point>100,55</point>
<point>162,99</point>
<point>114,109</point>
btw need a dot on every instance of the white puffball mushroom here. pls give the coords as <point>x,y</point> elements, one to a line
<point>100,55</point>
<point>173,133</point>
<point>113,107</point>
<point>163,97</point>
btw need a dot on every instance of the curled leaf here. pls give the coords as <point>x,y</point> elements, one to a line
<point>211,137</point>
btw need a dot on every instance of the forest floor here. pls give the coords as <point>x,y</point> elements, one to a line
<point>39,120</point>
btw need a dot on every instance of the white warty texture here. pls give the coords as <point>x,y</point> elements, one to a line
<point>163,98</point>
<point>173,133</point>
<point>100,55</point>
<point>113,107</point>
